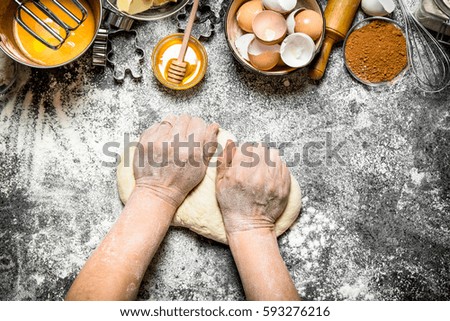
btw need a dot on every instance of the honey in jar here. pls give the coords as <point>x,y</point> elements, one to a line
<point>168,49</point>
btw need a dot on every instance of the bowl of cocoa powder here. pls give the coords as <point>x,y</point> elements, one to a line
<point>376,51</point>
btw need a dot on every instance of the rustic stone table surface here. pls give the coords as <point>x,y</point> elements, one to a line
<point>374,170</point>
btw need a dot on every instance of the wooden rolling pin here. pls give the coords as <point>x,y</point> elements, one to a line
<point>339,15</point>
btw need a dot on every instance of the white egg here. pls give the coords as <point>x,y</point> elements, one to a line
<point>242,43</point>
<point>297,50</point>
<point>378,7</point>
<point>290,20</point>
<point>281,6</point>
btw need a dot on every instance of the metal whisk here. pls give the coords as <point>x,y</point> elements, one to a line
<point>24,8</point>
<point>429,62</point>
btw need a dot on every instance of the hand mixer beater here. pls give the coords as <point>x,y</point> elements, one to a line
<point>428,60</point>
<point>57,30</point>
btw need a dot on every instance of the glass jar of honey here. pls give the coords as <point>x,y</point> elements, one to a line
<point>168,49</point>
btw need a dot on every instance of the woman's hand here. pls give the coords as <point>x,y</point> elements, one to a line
<point>165,173</point>
<point>173,157</point>
<point>253,186</point>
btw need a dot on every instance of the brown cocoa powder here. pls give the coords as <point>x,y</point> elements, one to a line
<point>376,52</point>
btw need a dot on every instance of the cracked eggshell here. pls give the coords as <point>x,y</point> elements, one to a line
<point>378,7</point>
<point>247,13</point>
<point>290,20</point>
<point>297,50</point>
<point>263,57</point>
<point>269,27</point>
<point>281,6</point>
<point>242,43</point>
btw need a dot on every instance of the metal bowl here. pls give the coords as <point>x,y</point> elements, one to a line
<point>9,45</point>
<point>232,32</point>
<point>155,13</point>
<point>361,24</point>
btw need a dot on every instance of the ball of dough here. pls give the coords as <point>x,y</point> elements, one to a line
<point>200,211</point>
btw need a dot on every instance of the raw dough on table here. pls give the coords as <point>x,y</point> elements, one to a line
<point>200,211</point>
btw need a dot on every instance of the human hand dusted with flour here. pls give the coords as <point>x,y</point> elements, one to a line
<point>173,157</point>
<point>252,189</point>
<point>170,161</point>
<point>165,173</point>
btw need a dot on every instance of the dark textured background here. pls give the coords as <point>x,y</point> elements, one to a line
<point>376,227</point>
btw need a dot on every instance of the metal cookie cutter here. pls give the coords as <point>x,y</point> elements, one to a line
<point>111,19</point>
<point>120,71</point>
<point>205,20</point>
<point>119,21</point>
<point>100,48</point>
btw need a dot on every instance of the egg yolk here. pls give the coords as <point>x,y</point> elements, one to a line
<point>75,44</point>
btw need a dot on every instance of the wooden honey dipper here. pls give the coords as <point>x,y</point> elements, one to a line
<point>177,68</point>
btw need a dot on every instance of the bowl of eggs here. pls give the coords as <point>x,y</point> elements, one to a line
<point>274,37</point>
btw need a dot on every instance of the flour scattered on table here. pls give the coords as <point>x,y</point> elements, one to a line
<point>6,69</point>
<point>322,242</point>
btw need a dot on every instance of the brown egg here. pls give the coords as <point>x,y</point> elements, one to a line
<point>309,22</point>
<point>263,57</point>
<point>247,13</point>
<point>269,26</point>
<point>281,63</point>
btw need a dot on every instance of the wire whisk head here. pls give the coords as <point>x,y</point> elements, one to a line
<point>54,25</point>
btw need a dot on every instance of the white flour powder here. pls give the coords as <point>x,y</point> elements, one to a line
<point>6,70</point>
